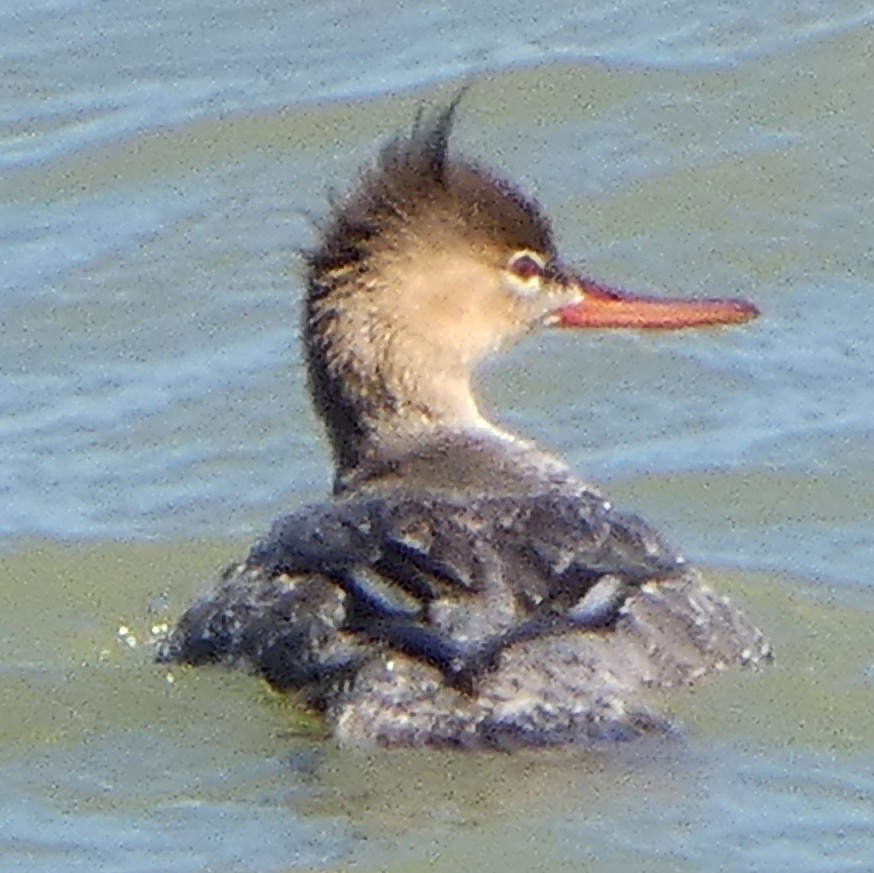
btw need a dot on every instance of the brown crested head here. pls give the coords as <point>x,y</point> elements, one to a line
<point>425,267</point>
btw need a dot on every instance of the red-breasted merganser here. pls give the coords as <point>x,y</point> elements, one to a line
<point>461,587</point>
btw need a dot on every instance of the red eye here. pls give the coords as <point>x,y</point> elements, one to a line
<point>526,267</point>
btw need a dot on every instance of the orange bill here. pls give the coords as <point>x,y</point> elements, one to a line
<point>607,307</point>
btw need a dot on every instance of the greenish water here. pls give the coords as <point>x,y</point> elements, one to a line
<point>161,169</point>
<point>113,762</point>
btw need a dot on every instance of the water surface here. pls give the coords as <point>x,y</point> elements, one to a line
<point>160,169</point>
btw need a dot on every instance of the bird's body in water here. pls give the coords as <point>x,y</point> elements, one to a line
<point>461,587</point>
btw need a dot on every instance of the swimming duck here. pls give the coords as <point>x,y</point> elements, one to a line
<point>461,587</point>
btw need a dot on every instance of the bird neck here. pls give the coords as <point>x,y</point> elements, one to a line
<point>378,380</point>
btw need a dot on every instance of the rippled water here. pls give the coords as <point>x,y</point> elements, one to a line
<point>161,164</point>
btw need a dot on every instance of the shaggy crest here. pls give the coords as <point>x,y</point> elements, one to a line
<point>416,181</point>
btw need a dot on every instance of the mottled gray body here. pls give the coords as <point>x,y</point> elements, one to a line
<point>458,617</point>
